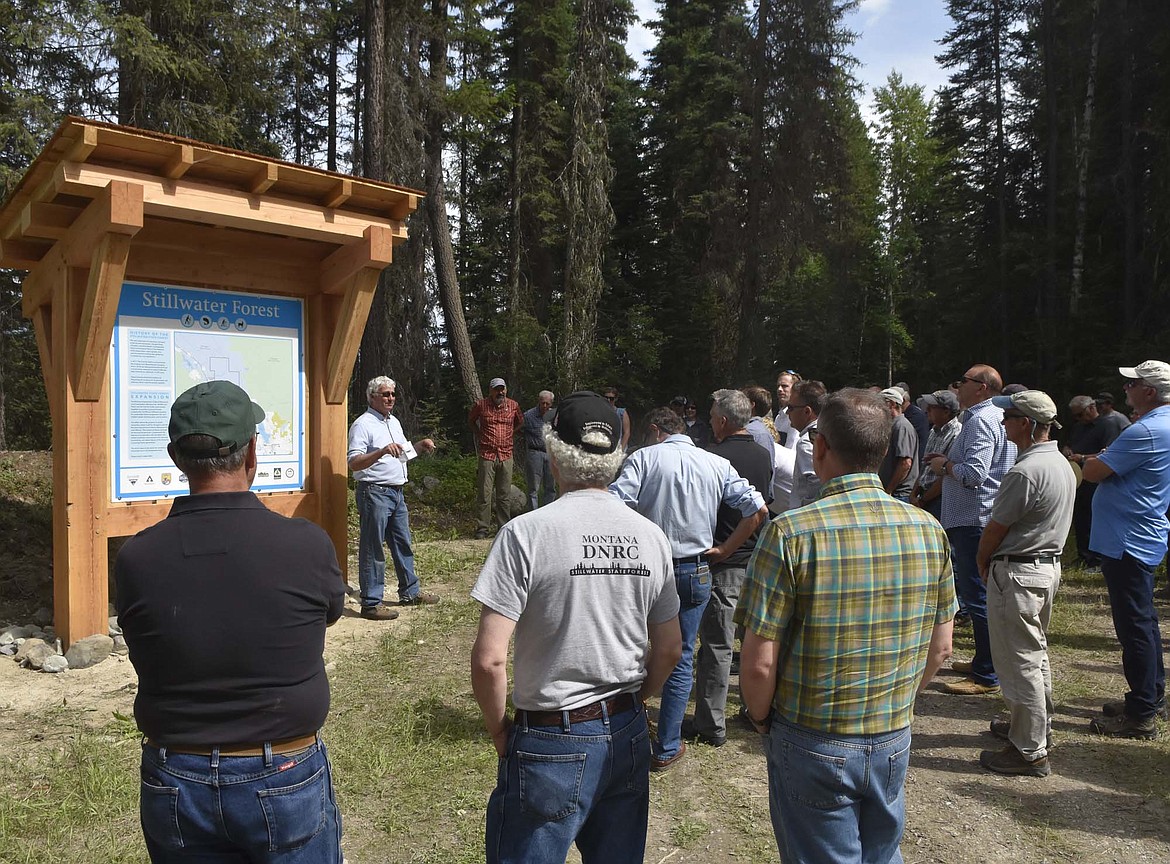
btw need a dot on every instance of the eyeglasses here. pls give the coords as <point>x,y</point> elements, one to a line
<point>790,406</point>
<point>389,395</point>
<point>610,397</point>
<point>1129,385</point>
<point>961,381</point>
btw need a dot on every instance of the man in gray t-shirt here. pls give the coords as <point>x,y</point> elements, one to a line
<point>899,470</point>
<point>1019,561</point>
<point>586,585</point>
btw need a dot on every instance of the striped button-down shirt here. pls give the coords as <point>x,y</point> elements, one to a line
<point>851,587</point>
<point>979,456</point>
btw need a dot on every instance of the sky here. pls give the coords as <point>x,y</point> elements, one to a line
<point>892,34</point>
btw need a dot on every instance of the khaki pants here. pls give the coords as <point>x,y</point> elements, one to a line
<point>1019,608</point>
<point>491,477</point>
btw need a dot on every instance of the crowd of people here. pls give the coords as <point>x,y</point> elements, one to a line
<point>836,535</point>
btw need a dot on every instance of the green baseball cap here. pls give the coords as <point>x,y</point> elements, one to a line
<point>218,409</point>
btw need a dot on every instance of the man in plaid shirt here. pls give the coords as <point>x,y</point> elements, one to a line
<point>848,609</point>
<point>494,421</point>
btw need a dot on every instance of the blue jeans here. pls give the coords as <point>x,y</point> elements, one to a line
<point>384,518</point>
<point>837,798</point>
<point>973,598</point>
<point>587,782</point>
<point>1135,619</point>
<point>693,581</point>
<point>239,808</point>
<point>538,475</point>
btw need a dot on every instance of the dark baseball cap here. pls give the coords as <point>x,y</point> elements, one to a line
<point>585,415</point>
<point>942,399</point>
<point>218,409</point>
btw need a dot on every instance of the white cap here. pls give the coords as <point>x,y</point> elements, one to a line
<point>1152,372</point>
<point>496,382</point>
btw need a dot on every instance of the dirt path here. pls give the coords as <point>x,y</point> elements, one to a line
<point>1107,801</point>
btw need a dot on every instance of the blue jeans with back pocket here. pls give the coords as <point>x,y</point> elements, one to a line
<point>837,799</point>
<point>275,808</point>
<point>693,581</point>
<point>586,782</point>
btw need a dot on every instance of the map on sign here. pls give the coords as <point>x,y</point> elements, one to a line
<point>167,340</point>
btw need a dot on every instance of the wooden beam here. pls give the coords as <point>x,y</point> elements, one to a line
<point>126,519</point>
<point>341,192</point>
<point>404,207</point>
<point>106,271</point>
<point>347,335</point>
<point>42,318</point>
<point>22,254</point>
<point>179,164</point>
<point>264,179</point>
<point>204,267</point>
<point>116,209</point>
<point>325,466</point>
<point>84,146</point>
<point>46,221</point>
<point>374,249</point>
<point>208,204</point>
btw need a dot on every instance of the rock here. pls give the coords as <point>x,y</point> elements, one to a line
<point>55,663</point>
<point>115,630</point>
<point>25,646</point>
<point>8,650</point>
<point>516,502</point>
<point>430,483</point>
<point>6,638</point>
<point>37,655</point>
<point>120,646</point>
<point>42,616</point>
<point>89,651</point>
<point>18,632</point>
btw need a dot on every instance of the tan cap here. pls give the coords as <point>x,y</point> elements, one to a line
<point>1033,404</point>
<point>1152,372</point>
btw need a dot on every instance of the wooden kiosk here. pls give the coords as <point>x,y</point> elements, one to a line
<point>103,204</point>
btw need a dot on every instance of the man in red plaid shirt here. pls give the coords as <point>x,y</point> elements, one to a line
<point>494,421</point>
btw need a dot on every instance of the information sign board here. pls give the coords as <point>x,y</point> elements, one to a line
<point>167,339</point>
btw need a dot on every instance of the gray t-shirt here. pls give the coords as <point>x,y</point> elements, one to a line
<point>582,577</point>
<point>1036,500</point>
<point>903,445</point>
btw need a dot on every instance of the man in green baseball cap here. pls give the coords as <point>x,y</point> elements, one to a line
<point>224,606</point>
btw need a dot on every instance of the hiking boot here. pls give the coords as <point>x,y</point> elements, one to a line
<point>1010,761</point>
<point>379,613</point>
<point>1125,727</point>
<point>692,734</point>
<point>1001,727</point>
<point>420,599</point>
<point>1117,709</point>
<point>970,687</point>
<point>963,667</point>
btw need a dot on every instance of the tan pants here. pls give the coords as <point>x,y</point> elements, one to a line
<point>1019,608</point>
<point>492,477</point>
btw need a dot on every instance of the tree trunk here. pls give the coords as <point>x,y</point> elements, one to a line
<point>374,111</point>
<point>450,297</point>
<point>1130,277</point>
<point>332,95</point>
<point>750,285</point>
<point>590,216</point>
<point>1000,189</point>
<point>1084,142</point>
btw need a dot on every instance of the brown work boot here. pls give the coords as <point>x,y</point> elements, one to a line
<point>379,613</point>
<point>420,599</point>
<point>1010,761</point>
<point>970,687</point>
<point>1125,727</point>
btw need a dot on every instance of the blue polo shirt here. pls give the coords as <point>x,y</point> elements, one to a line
<point>1129,507</point>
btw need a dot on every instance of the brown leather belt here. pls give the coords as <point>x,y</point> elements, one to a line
<point>616,705</point>
<point>289,745</point>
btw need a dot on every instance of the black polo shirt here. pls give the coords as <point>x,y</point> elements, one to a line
<point>224,606</point>
<point>754,465</point>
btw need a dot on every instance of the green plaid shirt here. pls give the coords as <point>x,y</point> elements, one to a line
<point>851,587</point>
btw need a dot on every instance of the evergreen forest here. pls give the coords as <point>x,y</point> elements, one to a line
<point>706,216</point>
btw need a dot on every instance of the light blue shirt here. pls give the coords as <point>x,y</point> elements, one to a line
<point>679,488</point>
<point>369,432</point>
<point>1129,507</point>
<point>760,434</point>
<point>980,455</point>
<point>806,485</point>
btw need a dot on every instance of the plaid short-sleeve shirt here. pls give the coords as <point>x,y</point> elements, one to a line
<point>851,588</point>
